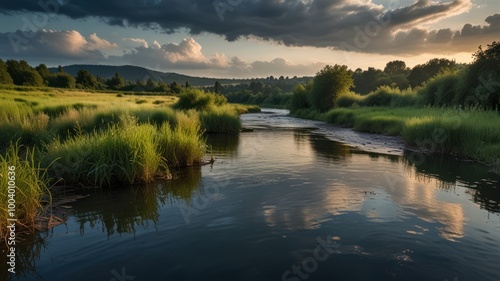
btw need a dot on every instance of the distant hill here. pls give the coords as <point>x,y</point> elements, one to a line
<point>134,73</point>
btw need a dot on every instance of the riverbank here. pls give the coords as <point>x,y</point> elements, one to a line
<point>77,138</point>
<point>471,133</point>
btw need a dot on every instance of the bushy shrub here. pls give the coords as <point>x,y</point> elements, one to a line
<point>199,100</point>
<point>348,99</point>
<point>380,97</point>
<point>441,89</point>
<point>299,99</point>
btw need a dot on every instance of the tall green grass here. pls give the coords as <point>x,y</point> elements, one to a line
<point>222,119</point>
<point>32,186</point>
<point>366,119</point>
<point>120,154</point>
<point>472,133</point>
<point>182,145</point>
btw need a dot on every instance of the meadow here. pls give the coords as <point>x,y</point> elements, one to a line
<point>79,138</point>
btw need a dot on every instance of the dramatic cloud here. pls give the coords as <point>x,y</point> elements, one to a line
<point>352,25</point>
<point>188,55</point>
<point>185,55</point>
<point>48,44</point>
<point>59,47</point>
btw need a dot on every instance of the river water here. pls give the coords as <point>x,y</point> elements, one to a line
<point>283,202</point>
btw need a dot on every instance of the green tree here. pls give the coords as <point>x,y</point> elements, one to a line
<point>116,82</point>
<point>175,88</point>
<point>299,98</point>
<point>23,74</point>
<point>217,87</point>
<point>62,80</point>
<point>151,84</point>
<point>86,80</point>
<point>187,85</point>
<point>31,78</point>
<point>163,87</point>
<point>423,72</point>
<point>328,84</point>
<point>482,83</point>
<point>367,81</point>
<point>395,67</point>
<point>4,74</point>
<point>43,71</point>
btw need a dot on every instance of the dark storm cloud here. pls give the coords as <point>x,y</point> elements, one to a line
<point>352,25</point>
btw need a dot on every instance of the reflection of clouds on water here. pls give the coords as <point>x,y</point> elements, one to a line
<point>307,158</point>
<point>369,193</point>
<point>418,196</point>
<point>338,199</point>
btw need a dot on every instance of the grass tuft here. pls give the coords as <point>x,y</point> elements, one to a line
<point>31,184</point>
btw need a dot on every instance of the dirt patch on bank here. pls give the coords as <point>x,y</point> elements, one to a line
<point>393,145</point>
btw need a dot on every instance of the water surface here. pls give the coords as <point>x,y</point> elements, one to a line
<point>284,202</point>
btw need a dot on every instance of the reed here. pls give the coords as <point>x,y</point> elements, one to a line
<point>123,153</point>
<point>32,195</point>
<point>221,119</point>
<point>183,145</point>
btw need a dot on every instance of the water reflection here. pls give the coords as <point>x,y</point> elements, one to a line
<point>118,211</point>
<point>481,184</point>
<point>413,190</point>
<point>29,247</point>
<point>223,144</point>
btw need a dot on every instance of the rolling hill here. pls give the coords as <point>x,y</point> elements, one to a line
<point>134,73</point>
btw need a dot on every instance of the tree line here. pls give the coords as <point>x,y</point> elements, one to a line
<point>438,82</point>
<point>20,73</point>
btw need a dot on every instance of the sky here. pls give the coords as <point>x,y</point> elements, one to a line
<point>245,38</point>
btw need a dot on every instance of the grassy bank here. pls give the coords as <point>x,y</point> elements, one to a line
<point>471,133</point>
<point>100,139</point>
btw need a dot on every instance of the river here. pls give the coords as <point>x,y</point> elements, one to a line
<point>284,202</point>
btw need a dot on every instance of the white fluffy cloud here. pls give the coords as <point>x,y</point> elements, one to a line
<point>47,44</point>
<point>138,40</point>
<point>187,55</point>
<point>184,55</point>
